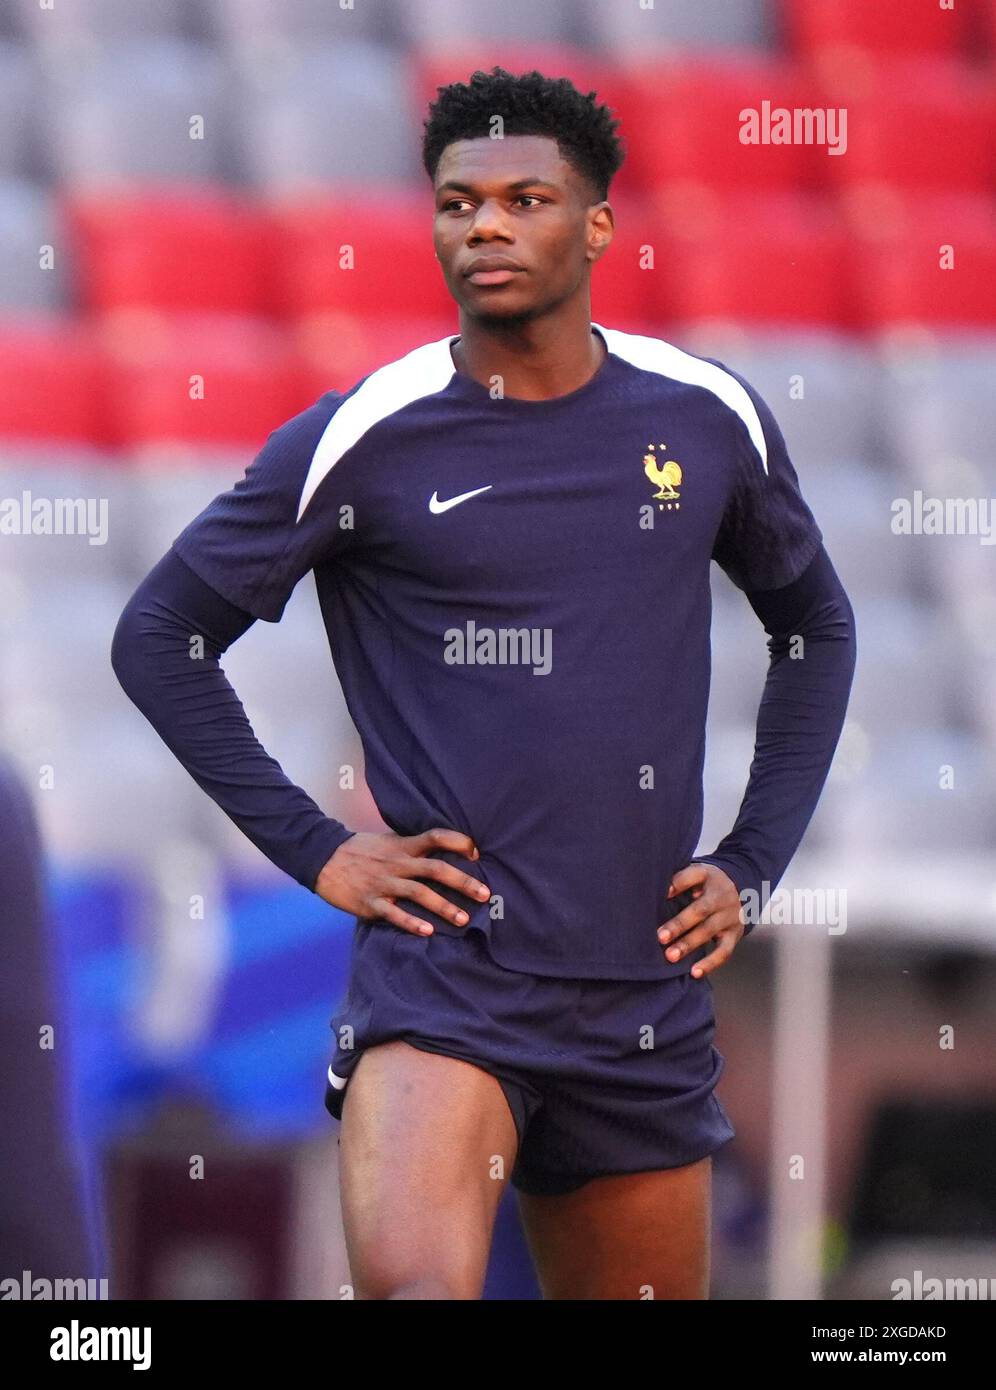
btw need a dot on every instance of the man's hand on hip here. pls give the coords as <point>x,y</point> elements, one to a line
<point>714,914</point>
<point>369,871</point>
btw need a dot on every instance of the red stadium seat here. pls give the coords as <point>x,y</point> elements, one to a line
<point>781,262</point>
<point>627,284</point>
<point>386,236</point>
<point>686,121</point>
<point>336,350</point>
<point>879,26</point>
<point>56,381</point>
<point>215,379</point>
<point>172,249</point>
<point>914,124</point>
<point>899,250</point>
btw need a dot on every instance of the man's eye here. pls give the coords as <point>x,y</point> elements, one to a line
<point>452,203</point>
<point>529,195</point>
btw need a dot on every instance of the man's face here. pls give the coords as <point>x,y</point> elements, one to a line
<point>519,213</point>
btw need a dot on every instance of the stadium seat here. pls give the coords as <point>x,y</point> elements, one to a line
<point>89,479</point>
<point>55,657</point>
<point>121,793</point>
<point>163,488</point>
<point>920,26</point>
<point>723,262</point>
<point>683,123</point>
<point>635,29</point>
<point>388,236</point>
<point>28,222</point>
<point>920,126</point>
<point>431,23</point>
<point>101,21</point>
<point>923,260</point>
<point>221,380</point>
<point>822,387</point>
<point>272,26</point>
<point>739,658</point>
<point>130,111</point>
<point>169,248</point>
<point>853,508</point>
<point>338,349</point>
<point>939,413</point>
<point>57,375</point>
<point>627,287</point>
<point>898,633</point>
<point>323,114</point>
<point>18,78</point>
<point>938,400</point>
<point>899,805</point>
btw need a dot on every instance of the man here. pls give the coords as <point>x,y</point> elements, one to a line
<point>511,531</point>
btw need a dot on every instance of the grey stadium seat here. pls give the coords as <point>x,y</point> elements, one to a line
<point>909,666</point>
<point>69,21</point>
<point>53,470</point>
<point>124,112</point>
<point>435,23</point>
<point>853,508</point>
<point>330,112</point>
<point>270,25</point>
<point>898,804</point>
<point>939,401</point>
<point>29,221</point>
<point>704,23</point>
<point>18,80</point>
<point>164,491</point>
<point>837,415</point>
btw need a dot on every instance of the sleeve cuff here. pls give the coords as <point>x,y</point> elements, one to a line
<point>322,844</point>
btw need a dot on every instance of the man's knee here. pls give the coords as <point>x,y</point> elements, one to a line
<point>384,1285</point>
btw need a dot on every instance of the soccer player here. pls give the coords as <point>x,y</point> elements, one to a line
<point>511,532</point>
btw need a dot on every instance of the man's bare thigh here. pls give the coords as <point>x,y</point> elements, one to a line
<point>426,1148</point>
<point>634,1235</point>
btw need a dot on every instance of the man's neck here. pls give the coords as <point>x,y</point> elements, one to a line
<point>534,361</point>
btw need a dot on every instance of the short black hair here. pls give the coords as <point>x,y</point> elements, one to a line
<point>530,104</point>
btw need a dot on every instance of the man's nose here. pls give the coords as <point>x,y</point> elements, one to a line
<point>489,220</point>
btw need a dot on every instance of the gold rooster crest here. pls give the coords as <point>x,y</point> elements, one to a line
<point>666,477</point>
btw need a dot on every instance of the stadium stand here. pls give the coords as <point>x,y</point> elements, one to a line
<point>179,185</point>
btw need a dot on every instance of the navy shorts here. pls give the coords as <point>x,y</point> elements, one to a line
<point>601,1076</point>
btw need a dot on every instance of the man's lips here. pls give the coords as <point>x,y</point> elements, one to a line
<point>492,270</point>
<point>492,277</point>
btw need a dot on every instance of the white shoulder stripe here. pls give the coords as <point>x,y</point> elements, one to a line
<point>422,372</point>
<point>655,355</point>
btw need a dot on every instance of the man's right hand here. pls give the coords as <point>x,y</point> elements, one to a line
<point>368,872</point>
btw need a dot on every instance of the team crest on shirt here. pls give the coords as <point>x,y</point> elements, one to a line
<point>665,475</point>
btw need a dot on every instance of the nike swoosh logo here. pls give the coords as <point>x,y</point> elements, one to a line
<point>435,506</point>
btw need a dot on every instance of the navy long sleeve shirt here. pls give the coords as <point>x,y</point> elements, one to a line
<point>517,601</point>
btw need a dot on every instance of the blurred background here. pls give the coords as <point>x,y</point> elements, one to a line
<point>177,180</point>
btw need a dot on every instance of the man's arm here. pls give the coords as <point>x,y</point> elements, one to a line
<point>187,698</point>
<point>179,686</point>
<point>799,721</point>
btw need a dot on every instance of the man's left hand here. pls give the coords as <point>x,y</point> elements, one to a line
<point>713,915</point>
